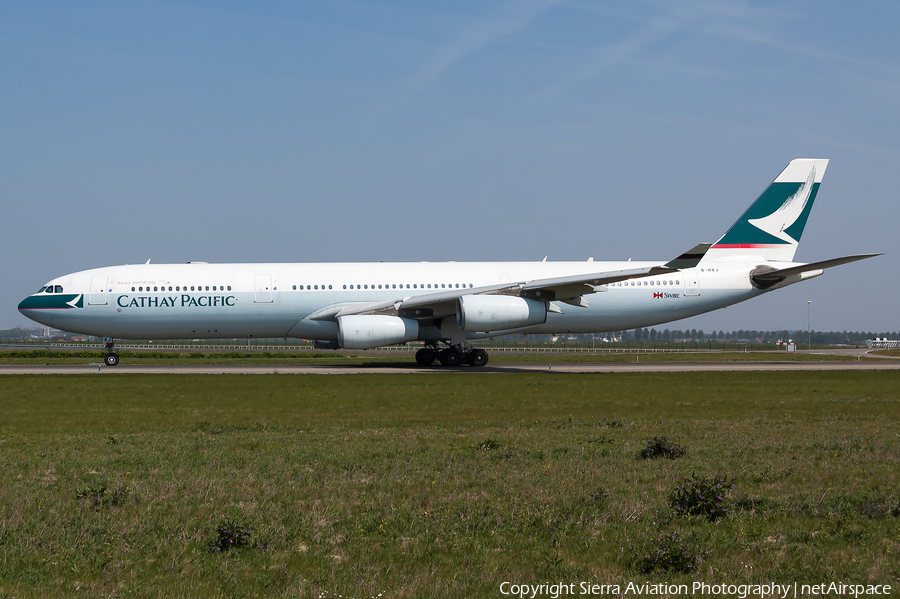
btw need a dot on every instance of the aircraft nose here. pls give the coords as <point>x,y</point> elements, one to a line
<point>29,305</point>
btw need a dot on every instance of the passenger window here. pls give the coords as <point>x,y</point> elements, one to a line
<point>177,288</point>
<point>207,287</point>
<point>132,288</point>
<point>170,288</point>
<point>345,286</point>
<point>414,286</point>
<point>229,288</point>
<point>379,286</point>
<point>192,287</point>
<point>329,286</point>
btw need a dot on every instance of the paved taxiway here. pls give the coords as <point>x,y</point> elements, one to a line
<point>395,368</point>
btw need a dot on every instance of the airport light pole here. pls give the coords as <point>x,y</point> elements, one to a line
<point>808,329</point>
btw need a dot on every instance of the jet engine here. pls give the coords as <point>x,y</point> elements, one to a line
<point>486,313</point>
<point>368,331</point>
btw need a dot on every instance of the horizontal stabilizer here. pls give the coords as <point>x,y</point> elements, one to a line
<point>765,277</point>
<point>690,258</point>
<point>777,274</point>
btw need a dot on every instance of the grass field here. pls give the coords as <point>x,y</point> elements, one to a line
<point>424,486</point>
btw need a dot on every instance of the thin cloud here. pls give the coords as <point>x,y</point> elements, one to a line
<point>608,56</point>
<point>513,17</point>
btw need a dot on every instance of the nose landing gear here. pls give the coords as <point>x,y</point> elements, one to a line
<point>112,358</point>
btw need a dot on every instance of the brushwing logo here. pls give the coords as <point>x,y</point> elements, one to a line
<point>788,213</point>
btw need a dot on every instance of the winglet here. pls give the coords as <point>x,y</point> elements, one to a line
<point>690,258</point>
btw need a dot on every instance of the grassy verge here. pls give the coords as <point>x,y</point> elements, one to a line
<point>421,486</point>
<point>60,356</point>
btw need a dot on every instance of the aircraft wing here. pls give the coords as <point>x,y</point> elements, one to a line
<point>564,289</point>
<point>775,275</point>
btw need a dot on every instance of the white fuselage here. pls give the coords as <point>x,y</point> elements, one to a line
<point>178,301</point>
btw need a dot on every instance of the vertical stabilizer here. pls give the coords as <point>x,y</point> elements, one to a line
<point>771,227</point>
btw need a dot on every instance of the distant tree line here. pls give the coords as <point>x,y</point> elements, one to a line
<point>751,336</point>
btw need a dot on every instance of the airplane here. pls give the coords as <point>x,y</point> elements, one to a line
<point>444,305</point>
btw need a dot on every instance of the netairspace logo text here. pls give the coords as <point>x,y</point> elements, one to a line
<point>740,591</point>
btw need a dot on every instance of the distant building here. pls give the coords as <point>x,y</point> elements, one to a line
<point>882,343</point>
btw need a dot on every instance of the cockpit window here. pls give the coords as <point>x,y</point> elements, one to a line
<point>42,289</point>
<point>58,289</point>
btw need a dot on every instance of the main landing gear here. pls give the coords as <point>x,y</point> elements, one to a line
<point>112,358</point>
<point>452,356</point>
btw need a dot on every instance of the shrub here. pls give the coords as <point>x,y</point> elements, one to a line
<point>668,553</point>
<point>701,496</point>
<point>231,534</point>
<point>488,445</point>
<point>599,495</point>
<point>99,497</point>
<point>662,447</point>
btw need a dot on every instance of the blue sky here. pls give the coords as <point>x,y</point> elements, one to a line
<point>359,131</point>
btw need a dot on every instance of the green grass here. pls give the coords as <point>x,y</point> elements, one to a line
<point>423,486</point>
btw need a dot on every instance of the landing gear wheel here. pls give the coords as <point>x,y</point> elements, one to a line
<point>450,357</point>
<point>477,357</point>
<point>111,359</point>
<point>425,356</point>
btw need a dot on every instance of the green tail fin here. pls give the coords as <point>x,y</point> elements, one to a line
<point>772,226</point>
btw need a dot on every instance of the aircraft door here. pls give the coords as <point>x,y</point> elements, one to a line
<point>262,285</point>
<point>691,281</point>
<point>98,290</point>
